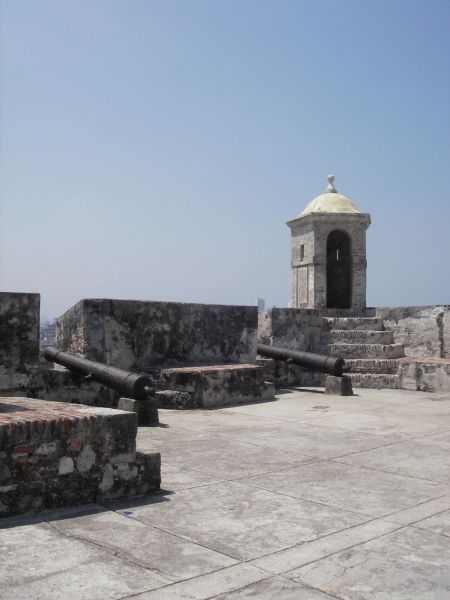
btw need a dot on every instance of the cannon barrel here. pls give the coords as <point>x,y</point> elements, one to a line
<point>129,384</point>
<point>332,365</point>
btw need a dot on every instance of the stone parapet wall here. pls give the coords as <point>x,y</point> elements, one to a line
<point>19,337</point>
<point>54,454</point>
<point>294,329</point>
<point>139,335</point>
<point>424,331</point>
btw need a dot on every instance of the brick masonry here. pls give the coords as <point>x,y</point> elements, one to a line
<point>54,454</point>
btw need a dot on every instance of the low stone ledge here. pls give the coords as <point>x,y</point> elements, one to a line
<point>54,454</point>
<point>425,374</point>
<point>219,385</point>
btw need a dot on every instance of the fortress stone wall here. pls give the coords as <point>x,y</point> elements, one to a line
<point>402,347</point>
<point>423,330</point>
<point>19,337</point>
<point>138,335</point>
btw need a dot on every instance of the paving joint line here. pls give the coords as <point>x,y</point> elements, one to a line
<point>384,445</point>
<point>181,537</point>
<point>349,464</point>
<point>274,470</point>
<point>125,556</point>
<point>193,578</point>
<point>310,587</point>
<point>315,502</point>
<point>414,526</point>
<point>328,535</point>
<point>347,547</point>
<point>386,516</point>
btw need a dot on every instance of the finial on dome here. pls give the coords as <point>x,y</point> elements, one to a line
<point>330,188</point>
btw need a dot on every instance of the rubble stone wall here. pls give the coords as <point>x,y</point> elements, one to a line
<point>55,454</point>
<point>139,335</point>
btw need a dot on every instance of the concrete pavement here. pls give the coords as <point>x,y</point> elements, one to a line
<point>306,497</point>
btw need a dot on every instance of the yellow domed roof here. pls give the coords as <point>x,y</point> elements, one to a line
<point>330,202</point>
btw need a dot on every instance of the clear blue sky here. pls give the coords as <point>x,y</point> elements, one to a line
<point>154,150</point>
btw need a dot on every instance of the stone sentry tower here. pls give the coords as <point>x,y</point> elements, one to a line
<point>329,254</point>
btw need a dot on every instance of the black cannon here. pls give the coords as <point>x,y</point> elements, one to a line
<point>332,365</point>
<point>131,385</point>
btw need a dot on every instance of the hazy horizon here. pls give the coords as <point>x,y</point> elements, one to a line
<point>155,150</point>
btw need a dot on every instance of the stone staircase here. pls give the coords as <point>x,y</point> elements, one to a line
<point>368,349</point>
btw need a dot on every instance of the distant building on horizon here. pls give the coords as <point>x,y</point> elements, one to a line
<point>261,304</point>
<point>47,333</point>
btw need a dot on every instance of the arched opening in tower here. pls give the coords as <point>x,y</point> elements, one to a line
<point>339,270</point>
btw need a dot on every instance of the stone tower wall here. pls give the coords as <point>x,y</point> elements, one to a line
<point>309,267</point>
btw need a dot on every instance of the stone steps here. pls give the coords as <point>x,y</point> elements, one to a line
<point>375,380</point>
<point>368,349</point>
<point>346,350</point>
<point>345,313</point>
<point>372,365</point>
<point>355,336</point>
<point>360,323</point>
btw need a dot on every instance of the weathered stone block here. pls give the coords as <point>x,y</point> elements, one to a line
<point>66,465</point>
<point>175,399</point>
<point>219,385</point>
<point>338,386</point>
<point>19,329</point>
<point>146,410</point>
<point>425,374</point>
<point>19,338</point>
